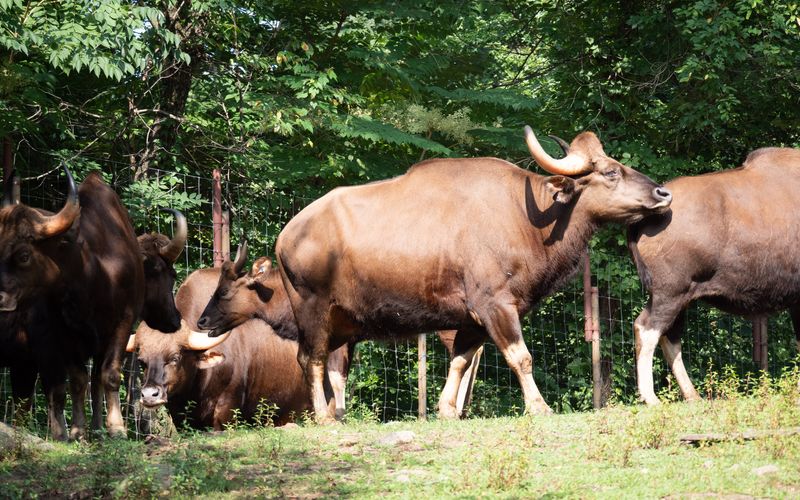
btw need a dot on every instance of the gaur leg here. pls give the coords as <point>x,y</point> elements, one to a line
<point>464,346</point>
<point>314,335</point>
<point>78,382</point>
<point>96,391</point>
<point>467,382</point>
<point>502,324</point>
<point>23,386</point>
<point>54,383</point>
<point>656,318</point>
<point>337,367</point>
<point>671,347</point>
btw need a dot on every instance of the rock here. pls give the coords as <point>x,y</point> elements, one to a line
<point>395,438</point>
<point>766,469</point>
<point>12,437</point>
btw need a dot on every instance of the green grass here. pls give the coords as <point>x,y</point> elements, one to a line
<point>623,451</point>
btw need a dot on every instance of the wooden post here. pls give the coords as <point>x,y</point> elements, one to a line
<point>597,378</point>
<point>226,235</point>
<point>760,337</point>
<point>587,298</point>
<point>422,376</point>
<point>216,217</point>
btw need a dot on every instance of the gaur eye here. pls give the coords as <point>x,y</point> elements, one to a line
<point>610,174</point>
<point>174,360</point>
<point>23,257</point>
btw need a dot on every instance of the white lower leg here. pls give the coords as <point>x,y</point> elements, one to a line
<point>465,388</point>
<point>646,341</point>
<point>521,362</point>
<point>318,399</point>
<point>447,401</point>
<point>338,383</point>
<point>672,352</point>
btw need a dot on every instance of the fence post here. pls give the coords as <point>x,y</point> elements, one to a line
<point>597,379</point>
<point>226,235</point>
<point>422,376</point>
<point>760,327</point>
<point>216,217</point>
<point>587,298</point>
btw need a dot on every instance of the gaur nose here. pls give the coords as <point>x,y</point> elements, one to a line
<point>203,322</point>
<point>151,392</point>
<point>662,194</point>
<point>7,302</point>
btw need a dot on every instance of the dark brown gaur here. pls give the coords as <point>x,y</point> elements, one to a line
<point>463,244</point>
<point>729,239</point>
<point>159,254</point>
<point>235,372</point>
<point>75,282</point>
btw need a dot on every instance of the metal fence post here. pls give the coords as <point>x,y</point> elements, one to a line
<point>422,376</point>
<point>597,378</point>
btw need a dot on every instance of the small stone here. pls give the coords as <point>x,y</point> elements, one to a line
<point>402,478</point>
<point>708,464</point>
<point>766,469</point>
<point>395,438</point>
<point>289,425</point>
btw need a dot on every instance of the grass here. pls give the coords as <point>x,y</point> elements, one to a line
<point>622,451</point>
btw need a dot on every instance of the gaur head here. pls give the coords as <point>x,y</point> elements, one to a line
<point>28,239</point>
<point>159,254</point>
<point>610,191</point>
<point>171,361</point>
<point>240,294</point>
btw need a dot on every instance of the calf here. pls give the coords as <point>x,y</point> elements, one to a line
<point>252,366</point>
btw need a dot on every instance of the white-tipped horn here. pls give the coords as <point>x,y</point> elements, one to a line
<point>131,343</point>
<point>572,164</point>
<point>200,341</point>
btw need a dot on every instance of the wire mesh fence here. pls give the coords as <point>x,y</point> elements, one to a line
<point>384,377</point>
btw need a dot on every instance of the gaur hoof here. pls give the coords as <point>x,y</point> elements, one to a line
<point>448,413</point>
<point>77,434</point>
<point>539,409</point>
<point>118,432</point>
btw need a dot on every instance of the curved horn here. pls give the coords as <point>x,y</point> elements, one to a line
<point>572,164</point>
<point>173,249</point>
<point>53,225</point>
<point>131,343</point>
<point>241,257</point>
<point>200,341</point>
<point>561,142</point>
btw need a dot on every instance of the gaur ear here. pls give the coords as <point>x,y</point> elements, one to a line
<point>562,188</point>
<point>210,359</point>
<point>261,267</point>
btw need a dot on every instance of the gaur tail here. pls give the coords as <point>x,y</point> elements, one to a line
<point>644,274</point>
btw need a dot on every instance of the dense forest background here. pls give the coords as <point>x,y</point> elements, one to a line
<point>294,98</point>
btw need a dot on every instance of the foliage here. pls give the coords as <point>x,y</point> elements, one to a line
<point>290,99</point>
<point>575,455</point>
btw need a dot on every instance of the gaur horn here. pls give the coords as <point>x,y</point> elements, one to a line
<point>53,225</point>
<point>241,257</point>
<point>572,164</point>
<point>561,142</point>
<point>173,249</point>
<point>200,341</point>
<point>131,343</point>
